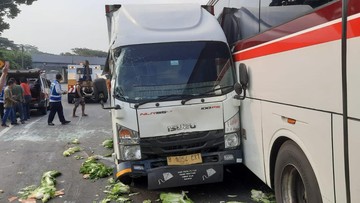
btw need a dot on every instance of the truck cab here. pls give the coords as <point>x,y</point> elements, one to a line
<point>174,104</point>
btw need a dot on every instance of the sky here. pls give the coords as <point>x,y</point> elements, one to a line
<point>57,26</point>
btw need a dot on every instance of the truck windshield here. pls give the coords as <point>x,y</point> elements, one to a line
<point>178,70</point>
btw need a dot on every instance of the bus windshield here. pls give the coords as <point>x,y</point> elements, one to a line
<point>151,71</point>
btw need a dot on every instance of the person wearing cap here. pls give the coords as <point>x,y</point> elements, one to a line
<point>55,101</point>
<point>79,98</point>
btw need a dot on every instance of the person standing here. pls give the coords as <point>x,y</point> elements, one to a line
<point>5,70</point>
<point>2,87</point>
<point>27,98</point>
<point>55,101</point>
<point>9,105</point>
<point>87,71</point>
<point>79,99</point>
<point>18,93</point>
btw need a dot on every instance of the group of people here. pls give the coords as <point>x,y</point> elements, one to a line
<point>16,98</point>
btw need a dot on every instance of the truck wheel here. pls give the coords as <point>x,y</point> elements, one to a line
<point>295,181</point>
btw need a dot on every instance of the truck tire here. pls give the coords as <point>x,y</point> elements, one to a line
<point>295,180</point>
<point>100,90</point>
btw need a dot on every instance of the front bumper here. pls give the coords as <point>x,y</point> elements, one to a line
<point>160,175</point>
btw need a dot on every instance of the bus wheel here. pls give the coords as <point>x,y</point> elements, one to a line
<point>295,181</point>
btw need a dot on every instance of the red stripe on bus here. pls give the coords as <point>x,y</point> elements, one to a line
<point>315,37</point>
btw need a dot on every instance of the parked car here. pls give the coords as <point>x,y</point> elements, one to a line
<point>39,87</point>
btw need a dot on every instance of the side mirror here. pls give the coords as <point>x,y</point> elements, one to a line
<point>244,77</point>
<point>237,88</point>
<point>100,89</point>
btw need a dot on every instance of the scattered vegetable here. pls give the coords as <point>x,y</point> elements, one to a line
<point>45,191</point>
<point>147,201</point>
<point>95,169</point>
<point>75,141</point>
<point>116,191</point>
<point>259,196</point>
<point>108,143</point>
<point>71,151</point>
<point>175,198</point>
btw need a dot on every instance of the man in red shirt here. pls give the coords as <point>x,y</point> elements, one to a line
<point>27,97</point>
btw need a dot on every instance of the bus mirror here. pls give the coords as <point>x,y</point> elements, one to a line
<point>244,78</point>
<point>237,88</point>
<point>100,89</point>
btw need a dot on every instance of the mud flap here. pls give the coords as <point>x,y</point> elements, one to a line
<point>184,175</point>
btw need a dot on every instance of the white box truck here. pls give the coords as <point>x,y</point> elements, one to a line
<point>174,96</point>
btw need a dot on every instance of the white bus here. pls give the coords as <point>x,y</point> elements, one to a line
<point>301,115</point>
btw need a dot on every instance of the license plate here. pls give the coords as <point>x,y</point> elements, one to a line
<point>184,160</point>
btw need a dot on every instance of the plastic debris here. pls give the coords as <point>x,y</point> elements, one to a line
<point>95,169</point>
<point>175,198</point>
<point>45,191</point>
<point>71,151</point>
<point>259,196</point>
<point>108,144</point>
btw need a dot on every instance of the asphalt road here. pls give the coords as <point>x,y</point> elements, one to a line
<point>29,150</point>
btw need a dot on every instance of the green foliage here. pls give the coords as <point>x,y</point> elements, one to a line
<point>85,52</point>
<point>95,169</point>
<point>115,192</point>
<point>259,196</point>
<point>10,9</point>
<point>15,58</point>
<point>7,44</point>
<point>108,143</point>
<point>175,198</point>
<point>71,151</point>
<point>45,191</point>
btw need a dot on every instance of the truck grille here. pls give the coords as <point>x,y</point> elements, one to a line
<point>209,141</point>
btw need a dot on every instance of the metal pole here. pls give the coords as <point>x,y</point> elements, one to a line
<point>22,56</point>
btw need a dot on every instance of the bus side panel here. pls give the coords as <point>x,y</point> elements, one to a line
<point>353,75</point>
<point>312,132</point>
<point>354,163</point>
<point>339,170</point>
<point>252,144</point>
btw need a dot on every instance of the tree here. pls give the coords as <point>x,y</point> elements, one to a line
<point>7,44</point>
<point>85,52</point>
<point>9,9</point>
<point>16,58</point>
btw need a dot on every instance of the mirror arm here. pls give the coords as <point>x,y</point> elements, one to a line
<point>111,107</point>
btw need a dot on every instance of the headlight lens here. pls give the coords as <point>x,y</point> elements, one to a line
<point>231,140</point>
<point>130,152</point>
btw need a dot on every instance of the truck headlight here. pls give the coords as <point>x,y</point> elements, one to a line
<point>231,140</point>
<point>127,136</point>
<point>130,152</point>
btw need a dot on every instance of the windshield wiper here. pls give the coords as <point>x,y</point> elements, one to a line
<point>119,93</point>
<point>205,93</point>
<point>160,98</point>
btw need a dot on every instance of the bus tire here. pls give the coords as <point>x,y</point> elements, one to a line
<point>295,180</point>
